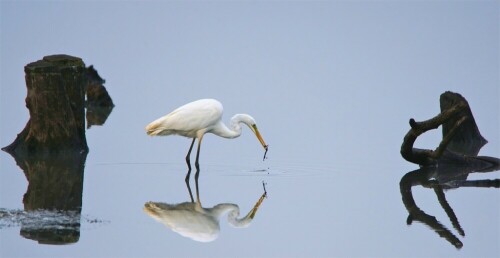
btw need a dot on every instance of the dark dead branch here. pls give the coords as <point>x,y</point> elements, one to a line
<point>461,138</point>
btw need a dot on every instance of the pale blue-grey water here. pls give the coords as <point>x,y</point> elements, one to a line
<point>332,86</point>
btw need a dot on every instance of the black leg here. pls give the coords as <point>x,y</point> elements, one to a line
<point>197,188</point>
<point>189,189</point>
<point>188,161</point>
<point>196,163</point>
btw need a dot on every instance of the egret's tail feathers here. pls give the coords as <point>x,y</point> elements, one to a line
<point>154,128</point>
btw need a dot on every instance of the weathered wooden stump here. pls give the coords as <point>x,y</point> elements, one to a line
<point>55,100</point>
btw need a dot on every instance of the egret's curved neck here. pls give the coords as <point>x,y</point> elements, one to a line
<point>234,129</point>
<point>233,213</point>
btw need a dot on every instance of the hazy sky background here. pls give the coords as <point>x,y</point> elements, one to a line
<point>331,84</point>
<point>346,66</point>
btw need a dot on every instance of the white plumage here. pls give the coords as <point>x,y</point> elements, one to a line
<point>197,118</point>
<point>187,120</point>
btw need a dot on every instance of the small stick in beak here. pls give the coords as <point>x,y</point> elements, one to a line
<point>264,186</point>
<point>265,152</point>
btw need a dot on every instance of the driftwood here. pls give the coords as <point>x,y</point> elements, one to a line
<point>449,165</point>
<point>461,138</point>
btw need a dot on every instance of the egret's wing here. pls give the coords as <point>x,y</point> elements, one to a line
<point>188,119</point>
<point>185,220</point>
<point>194,117</point>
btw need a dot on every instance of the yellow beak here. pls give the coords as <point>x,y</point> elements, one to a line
<point>257,133</point>
<point>252,212</point>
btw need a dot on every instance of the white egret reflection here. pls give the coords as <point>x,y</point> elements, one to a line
<point>192,220</point>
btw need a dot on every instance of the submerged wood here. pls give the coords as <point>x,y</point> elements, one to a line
<point>461,137</point>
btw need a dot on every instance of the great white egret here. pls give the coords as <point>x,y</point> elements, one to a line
<point>197,118</point>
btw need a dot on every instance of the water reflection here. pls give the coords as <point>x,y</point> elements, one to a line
<point>439,179</point>
<point>53,200</point>
<point>190,219</point>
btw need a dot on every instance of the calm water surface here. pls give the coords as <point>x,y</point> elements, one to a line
<point>331,85</point>
<point>317,205</point>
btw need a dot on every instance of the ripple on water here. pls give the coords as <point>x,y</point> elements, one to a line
<point>47,219</point>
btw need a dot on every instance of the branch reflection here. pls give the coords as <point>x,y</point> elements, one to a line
<point>190,219</point>
<point>439,179</point>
